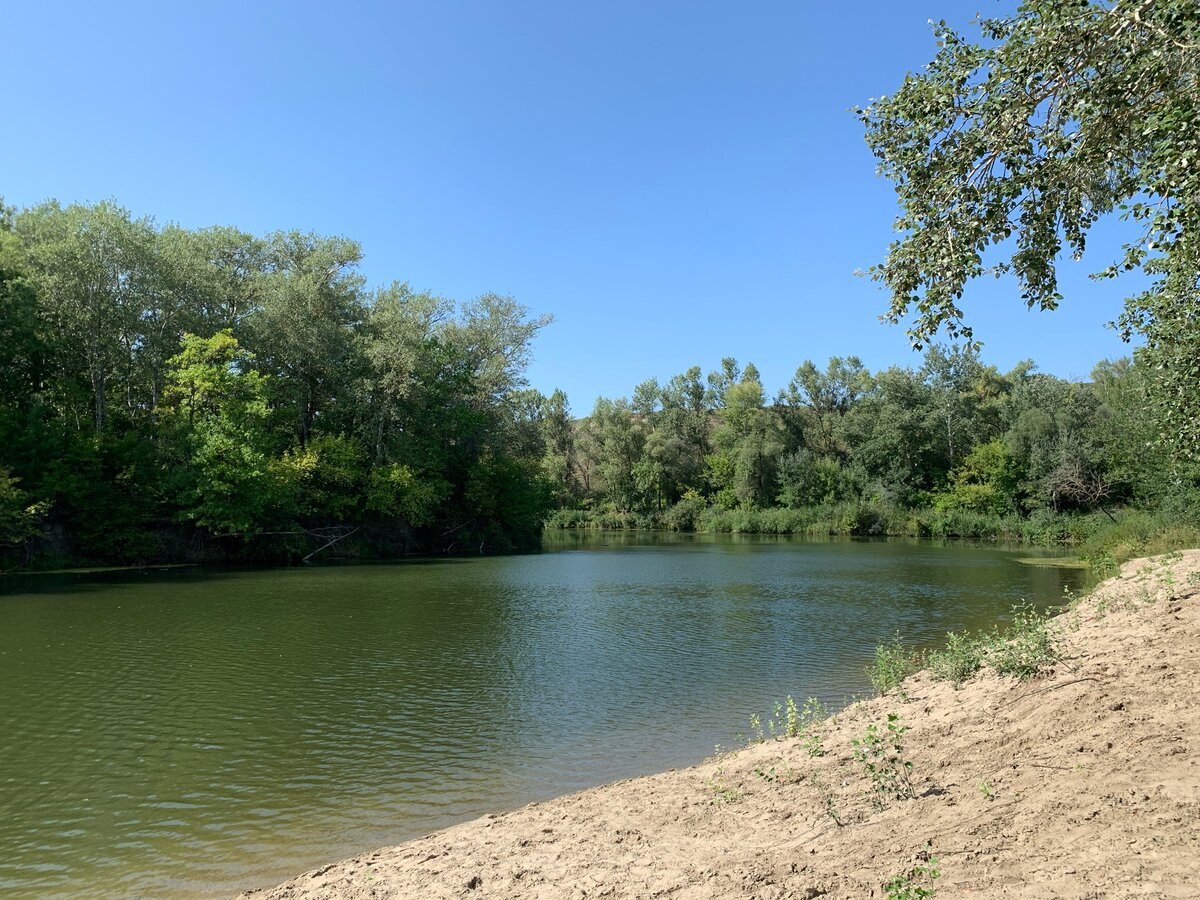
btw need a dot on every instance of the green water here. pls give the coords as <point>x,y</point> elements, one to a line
<point>191,733</point>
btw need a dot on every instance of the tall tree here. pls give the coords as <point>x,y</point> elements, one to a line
<point>1063,112</point>
<point>749,440</point>
<point>815,402</point>
<point>92,267</point>
<point>303,331</point>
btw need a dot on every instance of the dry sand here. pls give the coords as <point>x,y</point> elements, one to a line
<point>1083,783</point>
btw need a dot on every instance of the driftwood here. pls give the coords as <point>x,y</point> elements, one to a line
<point>331,542</point>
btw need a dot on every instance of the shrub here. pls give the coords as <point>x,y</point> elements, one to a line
<point>884,763</point>
<point>684,515</point>
<point>1027,647</point>
<point>961,658</point>
<point>893,663</point>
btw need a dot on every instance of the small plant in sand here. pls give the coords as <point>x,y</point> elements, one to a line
<point>986,791</point>
<point>961,658</point>
<point>827,798</point>
<point>882,758</point>
<point>1168,580</point>
<point>1070,608</point>
<point>893,663</point>
<point>811,716</point>
<point>787,775</point>
<point>792,723</point>
<point>1027,647</point>
<point>756,728</point>
<point>778,725</point>
<point>788,719</point>
<point>918,882</point>
<point>722,792</point>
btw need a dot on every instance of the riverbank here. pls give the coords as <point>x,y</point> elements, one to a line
<point>1081,783</point>
<point>1101,538</point>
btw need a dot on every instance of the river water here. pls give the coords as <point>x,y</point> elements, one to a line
<point>191,733</point>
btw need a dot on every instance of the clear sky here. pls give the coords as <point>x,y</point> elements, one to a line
<point>674,181</point>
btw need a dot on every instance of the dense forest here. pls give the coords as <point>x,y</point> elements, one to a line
<point>175,394</point>
<point>953,448</point>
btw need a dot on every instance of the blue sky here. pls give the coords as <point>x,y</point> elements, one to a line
<point>673,181</point>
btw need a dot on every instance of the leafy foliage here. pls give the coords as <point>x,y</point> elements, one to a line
<point>954,448</point>
<point>884,762</point>
<point>1061,113</point>
<point>166,391</point>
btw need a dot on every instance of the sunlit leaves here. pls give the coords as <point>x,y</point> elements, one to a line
<point>1064,112</point>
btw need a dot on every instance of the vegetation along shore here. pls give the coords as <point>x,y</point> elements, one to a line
<point>210,395</point>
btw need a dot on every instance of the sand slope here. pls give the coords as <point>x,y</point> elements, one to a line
<point>1093,773</point>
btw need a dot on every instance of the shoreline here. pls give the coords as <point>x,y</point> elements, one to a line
<point>1083,782</point>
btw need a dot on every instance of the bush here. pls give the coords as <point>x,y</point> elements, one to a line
<point>1027,647</point>
<point>684,515</point>
<point>961,658</point>
<point>893,663</point>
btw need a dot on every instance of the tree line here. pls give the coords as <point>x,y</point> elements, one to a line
<point>952,446</point>
<point>170,393</point>
<point>173,393</point>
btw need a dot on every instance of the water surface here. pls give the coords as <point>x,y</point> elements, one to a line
<point>191,733</point>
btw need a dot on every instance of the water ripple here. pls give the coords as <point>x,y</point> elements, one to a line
<point>189,734</point>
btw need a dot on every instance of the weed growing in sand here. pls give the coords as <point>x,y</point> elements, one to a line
<point>1070,608</point>
<point>961,658</point>
<point>1194,578</point>
<point>814,744</point>
<point>1027,647</point>
<point>719,753</point>
<point>780,725</point>
<point>773,776</point>
<point>814,713</point>
<point>883,762</point>
<point>918,882</point>
<point>986,791</point>
<point>756,728</point>
<point>722,792</point>
<point>788,719</point>
<point>827,799</point>
<point>893,663</point>
<point>793,718</point>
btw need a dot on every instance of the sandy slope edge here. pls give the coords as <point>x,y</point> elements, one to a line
<point>1093,773</point>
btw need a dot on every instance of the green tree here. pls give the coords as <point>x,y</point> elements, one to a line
<point>987,480</point>
<point>1125,437</point>
<point>960,388</point>
<point>816,402</point>
<point>20,515</point>
<point>404,362</point>
<point>683,432</point>
<point>303,332</point>
<point>93,269</point>
<point>615,440</point>
<point>1050,423</point>
<point>750,441</point>
<point>558,437</point>
<point>807,479</point>
<point>215,408</point>
<point>892,438</point>
<point>1063,112</point>
<point>24,343</point>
